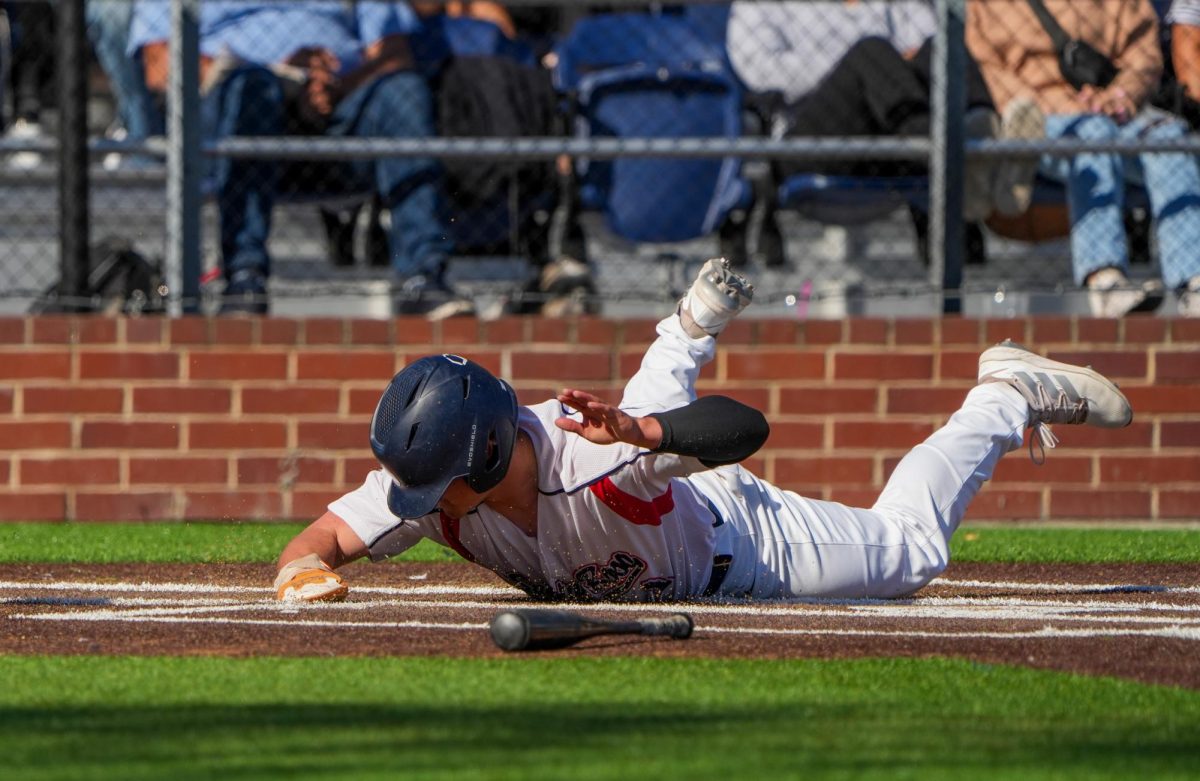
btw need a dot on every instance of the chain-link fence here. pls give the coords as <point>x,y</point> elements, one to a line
<point>370,158</point>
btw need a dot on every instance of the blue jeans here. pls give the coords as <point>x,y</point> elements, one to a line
<point>108,29</point>
<point>1095,187</point>
<point>250,102</point>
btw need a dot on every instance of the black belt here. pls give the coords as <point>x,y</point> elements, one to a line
<point>721,564</point>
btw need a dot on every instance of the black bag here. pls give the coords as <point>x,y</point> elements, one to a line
<point>493,97</point>
<point>1080,63</point>
<point>120,281</point>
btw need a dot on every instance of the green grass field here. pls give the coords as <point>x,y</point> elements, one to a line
<point>558,716</point>
<point>251,542</point>
<point>543,718</point>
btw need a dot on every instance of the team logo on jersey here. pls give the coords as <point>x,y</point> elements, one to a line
<point>610,580</point>
<point>656,589</point>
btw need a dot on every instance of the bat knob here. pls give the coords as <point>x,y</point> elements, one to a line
<point>510,631</point>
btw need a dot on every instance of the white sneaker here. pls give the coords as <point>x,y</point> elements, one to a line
<point>1112,294</point>
<point>715,298</point>
<point>1056,392</point>
<point>1012,185</point>
<point>24,130</point>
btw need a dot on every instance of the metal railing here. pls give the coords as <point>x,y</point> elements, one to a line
<point>946,151</point>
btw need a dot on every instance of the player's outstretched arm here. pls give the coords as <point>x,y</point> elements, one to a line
<point>307,562</point>
<point>714,429</point>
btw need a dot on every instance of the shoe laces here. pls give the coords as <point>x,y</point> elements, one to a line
<point>1060,408</point>
<point>1047,404</point>
<point>1046,441</point>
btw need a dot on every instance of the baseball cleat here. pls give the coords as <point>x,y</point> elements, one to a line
<point>1056,392</point>
<point>715,298</point>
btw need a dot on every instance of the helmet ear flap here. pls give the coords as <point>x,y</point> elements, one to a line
<point>497,454</point>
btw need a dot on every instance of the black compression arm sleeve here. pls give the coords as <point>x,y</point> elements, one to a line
<point>715,429</point>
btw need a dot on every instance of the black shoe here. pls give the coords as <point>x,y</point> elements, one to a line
<point>420,296</point>
<point>246,294</point>
<point>567,289</point>
<point>339,236</point>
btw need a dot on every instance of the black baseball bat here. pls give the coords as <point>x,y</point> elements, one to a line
<point>534,629</point>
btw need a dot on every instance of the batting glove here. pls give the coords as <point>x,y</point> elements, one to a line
<point>715,298</point>
<point>308,579</point>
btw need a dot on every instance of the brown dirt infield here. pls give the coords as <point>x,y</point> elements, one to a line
<point>1135,621</point>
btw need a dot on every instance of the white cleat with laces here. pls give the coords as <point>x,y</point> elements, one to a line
<point>1056,392</point>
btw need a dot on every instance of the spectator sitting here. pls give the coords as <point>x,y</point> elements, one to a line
<point>108,23</point>
<point>1019,60</point>
<point>863,69</point>
<point>313,66</point>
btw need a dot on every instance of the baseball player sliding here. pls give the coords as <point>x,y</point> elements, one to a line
<point>577,499</point>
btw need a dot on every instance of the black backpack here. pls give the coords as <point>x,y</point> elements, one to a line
<point>120,281</point>
<point>494,97</point>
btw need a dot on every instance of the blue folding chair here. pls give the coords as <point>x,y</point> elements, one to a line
<point>852,200</point>
<point>632,75</point>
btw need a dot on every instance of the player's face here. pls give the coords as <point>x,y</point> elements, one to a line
<point>459,499</point>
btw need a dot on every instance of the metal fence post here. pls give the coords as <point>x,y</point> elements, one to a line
<point>947,103</point>
<point>72,154</point>
<point>184,168</point>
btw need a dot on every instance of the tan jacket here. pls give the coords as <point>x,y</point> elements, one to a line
<point>1017,58</point>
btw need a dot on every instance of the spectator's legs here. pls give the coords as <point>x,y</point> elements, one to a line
<point>108,29</point>
<point>32,76</point>
<point>871,91</point>
<point>1011,181</point>
<point>1095,187</point>
<point>249,102</point>
<point>33,57</point>
<point>1173,183</point>
<point>399,105</point>
<point>978,95</point>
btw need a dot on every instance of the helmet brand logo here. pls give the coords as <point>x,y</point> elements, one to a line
<point>471,445</point>
<point>455,359</point>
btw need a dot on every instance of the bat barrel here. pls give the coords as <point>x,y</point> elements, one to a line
<point>528,630</point>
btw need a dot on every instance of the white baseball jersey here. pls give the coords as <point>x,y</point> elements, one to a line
<point>616,522</point>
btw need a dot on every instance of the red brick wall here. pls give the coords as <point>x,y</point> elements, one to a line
<point>104,419</point>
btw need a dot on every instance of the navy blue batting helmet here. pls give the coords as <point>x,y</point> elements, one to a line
<point>442,417</point>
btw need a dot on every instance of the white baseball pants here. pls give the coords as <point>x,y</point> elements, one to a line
<point>787,546</point>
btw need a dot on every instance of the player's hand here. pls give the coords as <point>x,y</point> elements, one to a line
<point>322,90</point>
<point>308,579</point>
<point>605,424</point>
